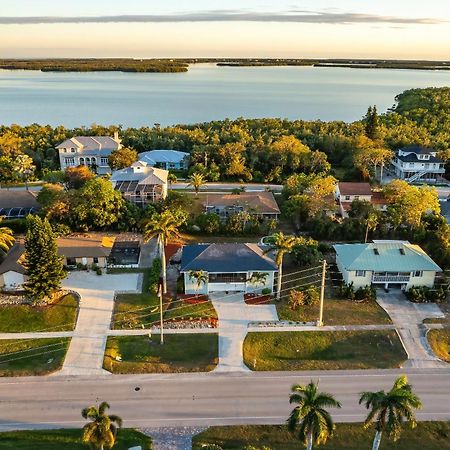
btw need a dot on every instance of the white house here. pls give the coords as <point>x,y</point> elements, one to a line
<point>91,151</point>
<point>229,268</point>
<point>418,164</point>
<point>389,264</point>
<point>140,183</point>
<point>166,159</point>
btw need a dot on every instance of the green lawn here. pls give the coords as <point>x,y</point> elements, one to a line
<point>60,316</point>
<point>22,357</point>
<point>182,310</point>
<point>323,350</point>
<point>427,436</point>
<point>68,439</point>
<point>180,353</point>
<point>440,343</point>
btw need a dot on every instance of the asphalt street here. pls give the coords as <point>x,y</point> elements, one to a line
<point>202,399</point>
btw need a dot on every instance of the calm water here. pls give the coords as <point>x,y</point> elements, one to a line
<point>204,93</point>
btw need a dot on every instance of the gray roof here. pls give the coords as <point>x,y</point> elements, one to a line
<point>141,173</point>
<point>90,143</point>
<point>11,261</point>
<point>17,199</point>
<point>153,157</point>
<point>223,258</point>
<point>384,256</point>
<point>417,149</point>
<point>412,157</point>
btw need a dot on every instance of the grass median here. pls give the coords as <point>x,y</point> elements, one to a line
<point>67,439</point>
<point>323,350</point>
<point>196,352</point>
<point>427,436</point>
<point>24,357</point>
<point>439,341</point>
<point>59,316</point>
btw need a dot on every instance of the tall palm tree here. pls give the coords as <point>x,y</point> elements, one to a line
<point>171,178</point>
<point>200,277</point>
<point>164,227</point>
<point>388,410</point>
<point>6,238</point>
<point>371,224</point>
<point>258,279</point>
<point>102,430</point>
<point>196,180</point>
<point>281,245</point>
<point>314,421</point>
<point>24,166</point>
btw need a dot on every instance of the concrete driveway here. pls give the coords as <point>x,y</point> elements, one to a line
<point>408,318</point>
<point>85,354</point>
<point>234,316</point>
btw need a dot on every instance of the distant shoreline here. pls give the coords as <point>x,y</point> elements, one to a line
<point>182,64</point>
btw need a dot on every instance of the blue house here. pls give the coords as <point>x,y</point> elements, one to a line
<point>166,159</point>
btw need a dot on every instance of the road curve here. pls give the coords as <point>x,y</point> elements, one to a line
<point>202,399</point>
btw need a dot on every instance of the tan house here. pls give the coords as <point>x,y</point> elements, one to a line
<point>75,250</point>
<point>347,192</point>
<point>261,204</point>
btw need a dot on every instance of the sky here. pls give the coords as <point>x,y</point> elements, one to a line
<point>391,29</point>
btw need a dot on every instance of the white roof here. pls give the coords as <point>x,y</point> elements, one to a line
<point>90,143</point>
<point>153,157</point>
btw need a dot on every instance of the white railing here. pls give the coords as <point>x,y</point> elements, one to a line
<point>390,279</point>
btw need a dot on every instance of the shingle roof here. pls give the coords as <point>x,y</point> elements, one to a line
<point>87,143</point>
<point>260,202</point>
<point>225,258</point>
<point>153,157</point>
<point>418,149</point>
<point>17,199</point>
<point>11,262</point>
<point>350,188</point>
<point>412,157</point>
<point>388,259</point>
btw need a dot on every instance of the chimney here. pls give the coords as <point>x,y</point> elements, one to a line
<point>116,136</point>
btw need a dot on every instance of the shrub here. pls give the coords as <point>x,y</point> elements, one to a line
<point>98,271</point>
<point>366,293</point>
<point>208,223</point>
<point>16,225</point>
<point>423,294</point>
<point>266,291</point>
<point>60,229</point>
<point>346,291</point>
<point>155,273</point>
<point>303,297</point>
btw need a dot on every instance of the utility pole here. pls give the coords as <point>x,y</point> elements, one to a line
<point>322,294</point>
<point>206,160</point>
<point>160,295</point>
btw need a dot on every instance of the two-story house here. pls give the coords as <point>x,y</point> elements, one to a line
<point>91,151</point>
<point>140,183</point>
<point>418,164</point>
<point>166,159</point>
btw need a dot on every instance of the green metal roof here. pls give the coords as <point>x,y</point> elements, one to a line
<point>384,256</point>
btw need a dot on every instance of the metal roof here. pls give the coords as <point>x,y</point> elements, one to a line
<point>384,256</point>
<point>225,258</point>
<point>86,143</point>
<point>153,157</point>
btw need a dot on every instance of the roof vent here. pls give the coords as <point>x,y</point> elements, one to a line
<point>402,251</point>
<point>375,250</point>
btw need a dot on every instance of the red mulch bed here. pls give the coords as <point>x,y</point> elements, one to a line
<point>193,299</point>
<point>255,299</point>
<point>170,250</point>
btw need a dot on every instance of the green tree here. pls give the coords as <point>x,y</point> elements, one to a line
<point>371,224</point>
<point>44,266</point>
<point>24,166</point>
<point>389,410</point>
<point>281,245</point>
<point>122,157</point>
<point>102,429</point>
<point>258,279</point>
<point>372,123</point>
<point>200,277</point>
<point>164,227</point>
<point>314,422</point>
<point>196,180</point>
<point>6,238</point>
<point>171,178</point>
<point>208,223</point>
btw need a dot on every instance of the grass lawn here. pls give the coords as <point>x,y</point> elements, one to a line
<point>323,350</point>
<point>427,436</point>
<point>60,316</point>
<point>183,310</point>
<point>439,341</point>
<point>22,357</point>
<point>69,439</point>
<point>180,353</point>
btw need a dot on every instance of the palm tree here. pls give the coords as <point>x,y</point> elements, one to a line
<point>163,227</point>
<point>315,422</point>
<point>197,180</point>
<point>6,238</point>
<point>200,277</point>
<point>24,166</point>
<point>102,430</point>
<point>281,244</point>
<point>258,278</point>
<point>371,224</point>
<point>171,178</point>
<point>388,410</point>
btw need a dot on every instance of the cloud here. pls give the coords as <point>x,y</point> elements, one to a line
<point>292,16</point>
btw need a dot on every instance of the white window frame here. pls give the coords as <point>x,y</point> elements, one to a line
<point>360,273</point>
<point>418,274</point>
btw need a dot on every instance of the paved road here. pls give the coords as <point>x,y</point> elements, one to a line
<point>202,399</point>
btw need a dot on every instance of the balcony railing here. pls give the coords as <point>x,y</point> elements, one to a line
<point>390,279</point>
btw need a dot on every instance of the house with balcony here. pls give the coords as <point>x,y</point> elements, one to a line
<point>140,183</point>
<point>166,159</point>
<point>229,267</point>
<point>347,192</point>
<point>90,151</point>
<point>259,204</point>
<point>418,164</point>
<point>386,264</point>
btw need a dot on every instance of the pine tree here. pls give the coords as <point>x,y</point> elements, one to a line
<point>44,266</point>
<point>372,123</point>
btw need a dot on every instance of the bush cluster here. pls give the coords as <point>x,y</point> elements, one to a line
<point>423,294</point>
<point>347,291</point>
<point>154,276</point>
<point>307,296</point>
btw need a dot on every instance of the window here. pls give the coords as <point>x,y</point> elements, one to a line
<point>360,273</point>
<point>71,262</point>
<point>69,161</point>
<point>347,197</point>
<point>72,150</point>
<point>418,273</point>
<point>104,161</point>
<point>227,278</point>
<point>95,259</point>
<point>356,197</point>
